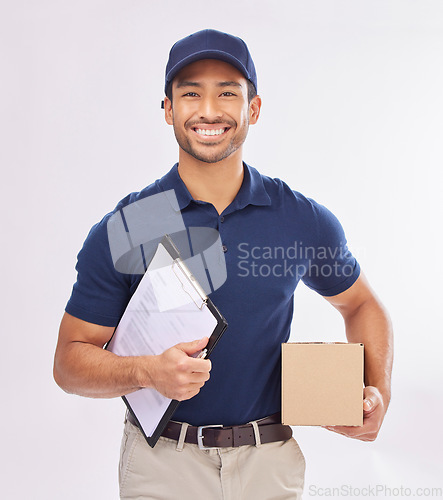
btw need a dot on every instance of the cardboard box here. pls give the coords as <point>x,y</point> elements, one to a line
<point>322,383</point>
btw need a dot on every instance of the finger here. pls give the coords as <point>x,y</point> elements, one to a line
<point>345,433</point>
<point>193,347</point>
<point>332,429</point>
<point>200,365</point>
<point>341,429</point>
<point>198,377</point>
<point>347,429</point>
<point>365,432</point>
<point>192,391</point>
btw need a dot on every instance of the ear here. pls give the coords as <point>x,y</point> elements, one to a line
<point>254,109</point>
<point>168,111</point>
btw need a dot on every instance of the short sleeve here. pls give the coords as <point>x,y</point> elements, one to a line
<point>100,294</point>
<point>330,266</point>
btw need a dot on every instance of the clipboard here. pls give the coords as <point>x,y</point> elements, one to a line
<point>168,299</point>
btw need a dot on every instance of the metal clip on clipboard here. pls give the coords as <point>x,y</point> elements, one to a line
<point>190,285</point>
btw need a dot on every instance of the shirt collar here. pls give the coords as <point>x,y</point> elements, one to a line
<point>172,180</point>
<point>251,192</point>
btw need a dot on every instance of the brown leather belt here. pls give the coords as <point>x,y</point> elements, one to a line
<point>216,436</point>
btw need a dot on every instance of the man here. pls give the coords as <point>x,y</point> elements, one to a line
<point>211,99</point>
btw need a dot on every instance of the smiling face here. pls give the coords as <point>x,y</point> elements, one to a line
<point>210,111</point>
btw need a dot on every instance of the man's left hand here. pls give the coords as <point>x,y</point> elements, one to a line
<point>373,414</point>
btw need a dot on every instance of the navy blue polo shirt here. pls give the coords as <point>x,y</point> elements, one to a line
<point>272,237</point>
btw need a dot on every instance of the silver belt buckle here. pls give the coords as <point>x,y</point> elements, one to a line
<point>200,437</point>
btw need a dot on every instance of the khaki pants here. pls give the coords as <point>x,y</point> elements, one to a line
<point>173,471</point>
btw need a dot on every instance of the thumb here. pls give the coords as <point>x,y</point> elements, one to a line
<point>191,348</point>
<point>368,404</point>
<point>372,398</point>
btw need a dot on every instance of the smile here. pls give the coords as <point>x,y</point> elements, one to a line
<point>203,131</point>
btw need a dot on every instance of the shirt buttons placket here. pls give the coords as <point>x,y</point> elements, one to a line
<point>221,219</point>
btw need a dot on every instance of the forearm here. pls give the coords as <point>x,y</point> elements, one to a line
<point>88,370</point>
<point>370,324</point>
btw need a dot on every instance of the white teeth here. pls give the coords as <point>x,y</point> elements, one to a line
<point>203,131</point>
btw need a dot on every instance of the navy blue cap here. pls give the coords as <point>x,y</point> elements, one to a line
<point>210,44</point>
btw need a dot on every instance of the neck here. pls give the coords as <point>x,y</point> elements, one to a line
<point>215,183</point>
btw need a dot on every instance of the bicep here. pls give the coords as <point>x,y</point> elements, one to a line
<point>349,301</point>
<point>73,329</point>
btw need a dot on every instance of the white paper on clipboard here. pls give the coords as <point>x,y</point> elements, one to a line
<point>167,308</point>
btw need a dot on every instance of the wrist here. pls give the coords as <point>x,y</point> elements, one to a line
<point>144,367</point>
<point>386,397</point>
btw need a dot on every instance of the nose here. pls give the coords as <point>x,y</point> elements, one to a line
<point>209,109</point>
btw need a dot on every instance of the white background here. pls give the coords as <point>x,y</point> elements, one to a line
<point>352,116</point>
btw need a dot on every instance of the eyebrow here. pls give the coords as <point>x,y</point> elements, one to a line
<point>186,83</point>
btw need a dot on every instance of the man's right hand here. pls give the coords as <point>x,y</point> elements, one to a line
<point>176,374</point>
<point>83,367</point>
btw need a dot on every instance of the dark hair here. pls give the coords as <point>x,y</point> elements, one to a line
<point>252,92</point>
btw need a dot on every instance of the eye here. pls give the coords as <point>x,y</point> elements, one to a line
<point>190,94</point>
<point>228,94</point>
